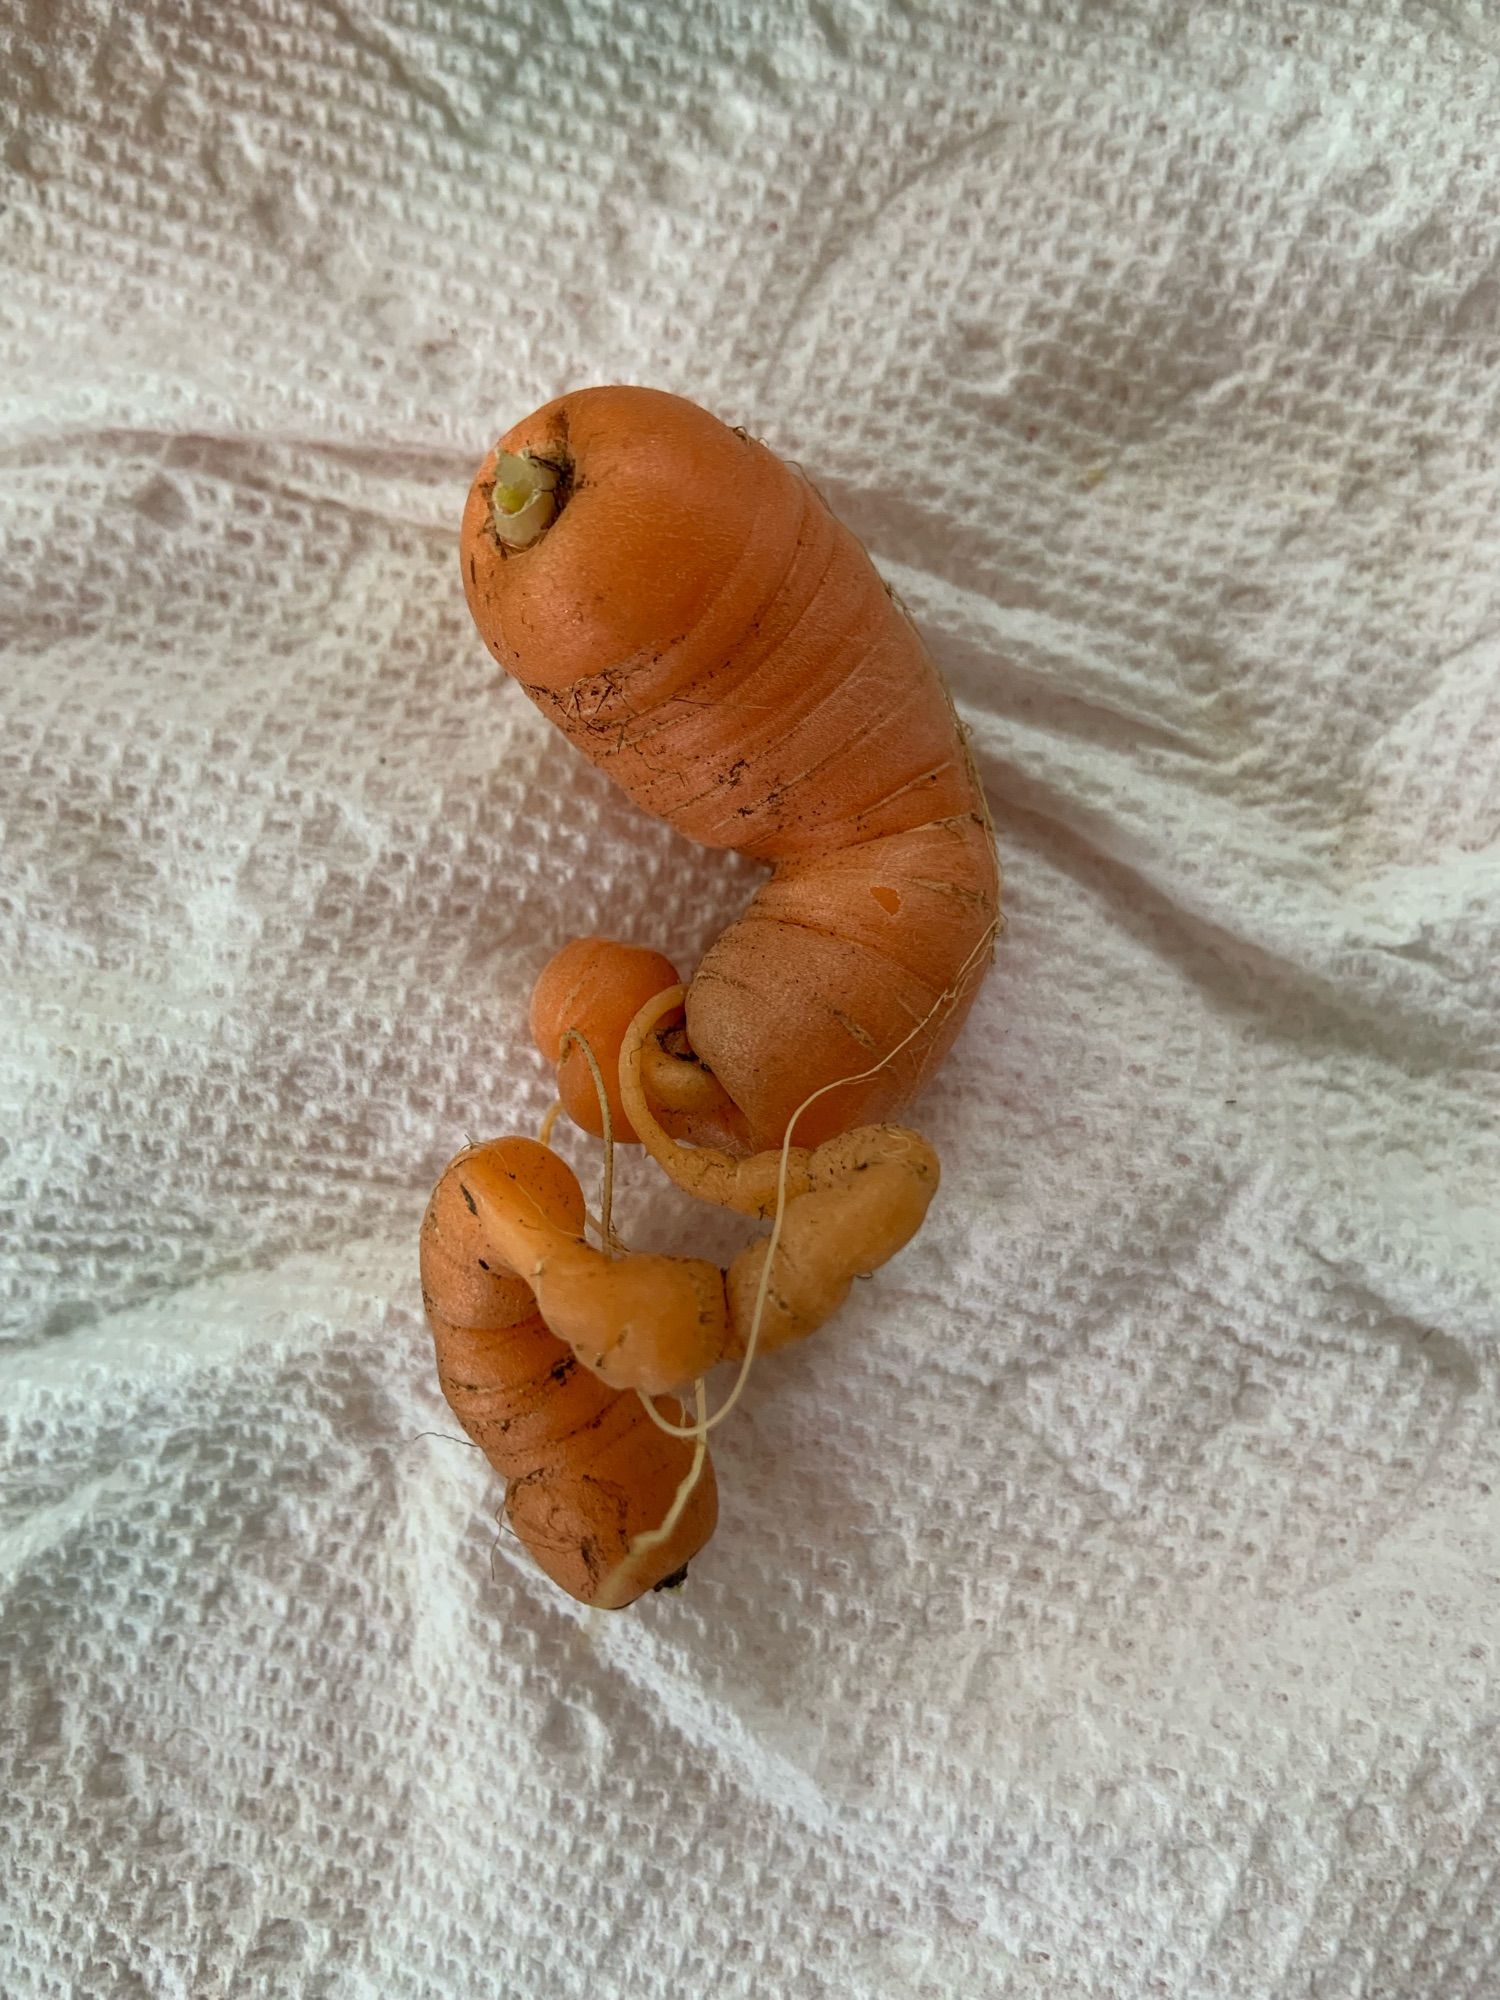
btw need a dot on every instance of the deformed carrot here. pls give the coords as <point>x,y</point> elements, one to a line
<point>594,987</point>
<point>643,1321</point>
<point>693,617</point>
<point>589,1475</point>
<point>690,613</point>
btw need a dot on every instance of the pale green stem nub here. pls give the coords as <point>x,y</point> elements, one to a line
<point>522,504</point>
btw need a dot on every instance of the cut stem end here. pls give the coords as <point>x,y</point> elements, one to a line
<point>523,503</point>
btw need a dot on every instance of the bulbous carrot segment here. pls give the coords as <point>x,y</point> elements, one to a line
<point>588,1473</point>
<point>686,608</point>
<point>651,1323</point>
<point>637,1322</point>
<point>864,942</point>
<point>866,1203</point>
<point>594,986</point>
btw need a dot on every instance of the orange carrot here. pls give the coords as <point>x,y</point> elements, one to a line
<point>595,987</point>
<point>589,1474</point>
<point>549,1349</point>
<point>583,1002</point>
<point>689,612</point>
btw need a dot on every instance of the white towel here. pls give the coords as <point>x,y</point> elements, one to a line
<point>1108,1603</point>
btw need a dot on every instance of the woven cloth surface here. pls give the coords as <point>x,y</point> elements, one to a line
<point>1107,1605</point>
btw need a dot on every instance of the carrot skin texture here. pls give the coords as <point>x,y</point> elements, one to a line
<point>700,626</point>
<point>586,1470</point>
<point>595,986</point>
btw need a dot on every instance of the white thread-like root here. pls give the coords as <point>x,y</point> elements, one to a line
<point>632,1045</point>
<point>652,1538</point>
<point>703,1423</point>
<point>607,1194</point>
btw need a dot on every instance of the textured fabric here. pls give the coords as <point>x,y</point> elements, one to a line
<point>1106,1605</point>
